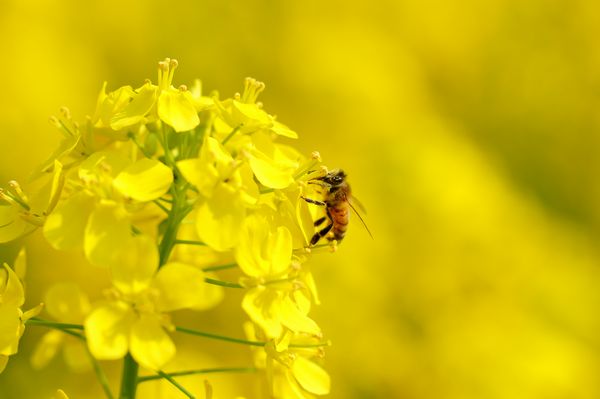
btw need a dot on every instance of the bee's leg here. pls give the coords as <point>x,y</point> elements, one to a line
<point>320,234</point>
<point>312,201</point>
<point>320,221</point>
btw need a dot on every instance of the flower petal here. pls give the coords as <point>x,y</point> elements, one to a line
<point>107,235</point>
<point>219,219</point>
<point>60,394</point>
<point>65,302</point>
<point>151,346</point>
<point>11,224</point>
<point>111,104</point>
<point>58,181</point>
<point>176,108</point>
<point>145,180</point>
<point>10,328</point>
<point>311,376</point>
<point>46,349</point>
<point>135,272</point>
<point>261,251</point>
<point>182,286</point>
<point>269,173</point>
<point>283,130</point>
<point>135,111</point>
<point>262,306</point>
<point>204,172</point>
<point>20,265</point>
<point>107,330</point>
<point>11,288</point>
<point>293,318</point>
<point>75,355</point>
<point>3,362</point>
<point>248,252</point>
<point>280,246</point>
<point>270,163</point>
<point>250,116</point>
<point>65,226</point>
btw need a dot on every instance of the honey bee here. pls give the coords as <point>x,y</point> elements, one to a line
<point>337,206</point>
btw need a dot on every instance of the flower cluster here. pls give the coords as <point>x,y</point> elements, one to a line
<point>160,188</point>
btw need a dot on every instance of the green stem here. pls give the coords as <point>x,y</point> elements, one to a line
<point>230,135</point>
<point>65,328</point>
<point>161,206</point>
<point>129,378</point>
<point>227,284</point>
<point>139,145</point>
<point>317,345</point>
<point>54,324</point>
<point>191,242</point>
<point>244,341</point>
<point>99,374</point>
<point>176,384</point>
<point>200,371</point>
<point>174,216</point>
<point>219,337</point>
<point>220,267</point>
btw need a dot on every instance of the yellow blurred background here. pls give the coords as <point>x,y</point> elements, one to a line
<point>469,129</point>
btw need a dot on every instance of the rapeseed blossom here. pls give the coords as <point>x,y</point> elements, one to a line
<point>160,189</point>
<point>12,318</point>
<point>64,302</point>
<point>134,318</point>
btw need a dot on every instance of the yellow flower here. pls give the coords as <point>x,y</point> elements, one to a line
<point>227,187</point>
<point>244,112</point>
<point>76,145</point>
<point>292,372</point>
<point>265,254</point>
<point>264,250</point>
<point>126,107</point>
<point>12,318</point>
<point>135,318</point>
<point>96,216</point>
<point>273,164</point>
<point>65,303</point>
<point>20,214</point>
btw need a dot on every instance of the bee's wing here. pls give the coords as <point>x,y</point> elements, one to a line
<point>361,219</point>
<point>359,204</point>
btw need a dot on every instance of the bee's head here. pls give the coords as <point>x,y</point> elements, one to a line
<point>334,178</point>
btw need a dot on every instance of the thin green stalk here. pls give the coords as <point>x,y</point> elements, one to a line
<point>220,267</point>
<point>65,328</point>
<point>219,337</point>
<point>161,206</point>
<point>227,284</point>
<point>54,324</point>
<point>244,341</point>
<point>230,135</point>
<point>317,345</point>
<point>191,242</point>
<point>99,374</point>
<point>176,384</point>
<point>199,371</point>
<point>139,145</point>
<point>129,378</point>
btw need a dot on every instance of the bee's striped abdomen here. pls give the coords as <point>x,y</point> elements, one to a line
<point>340,214</point>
